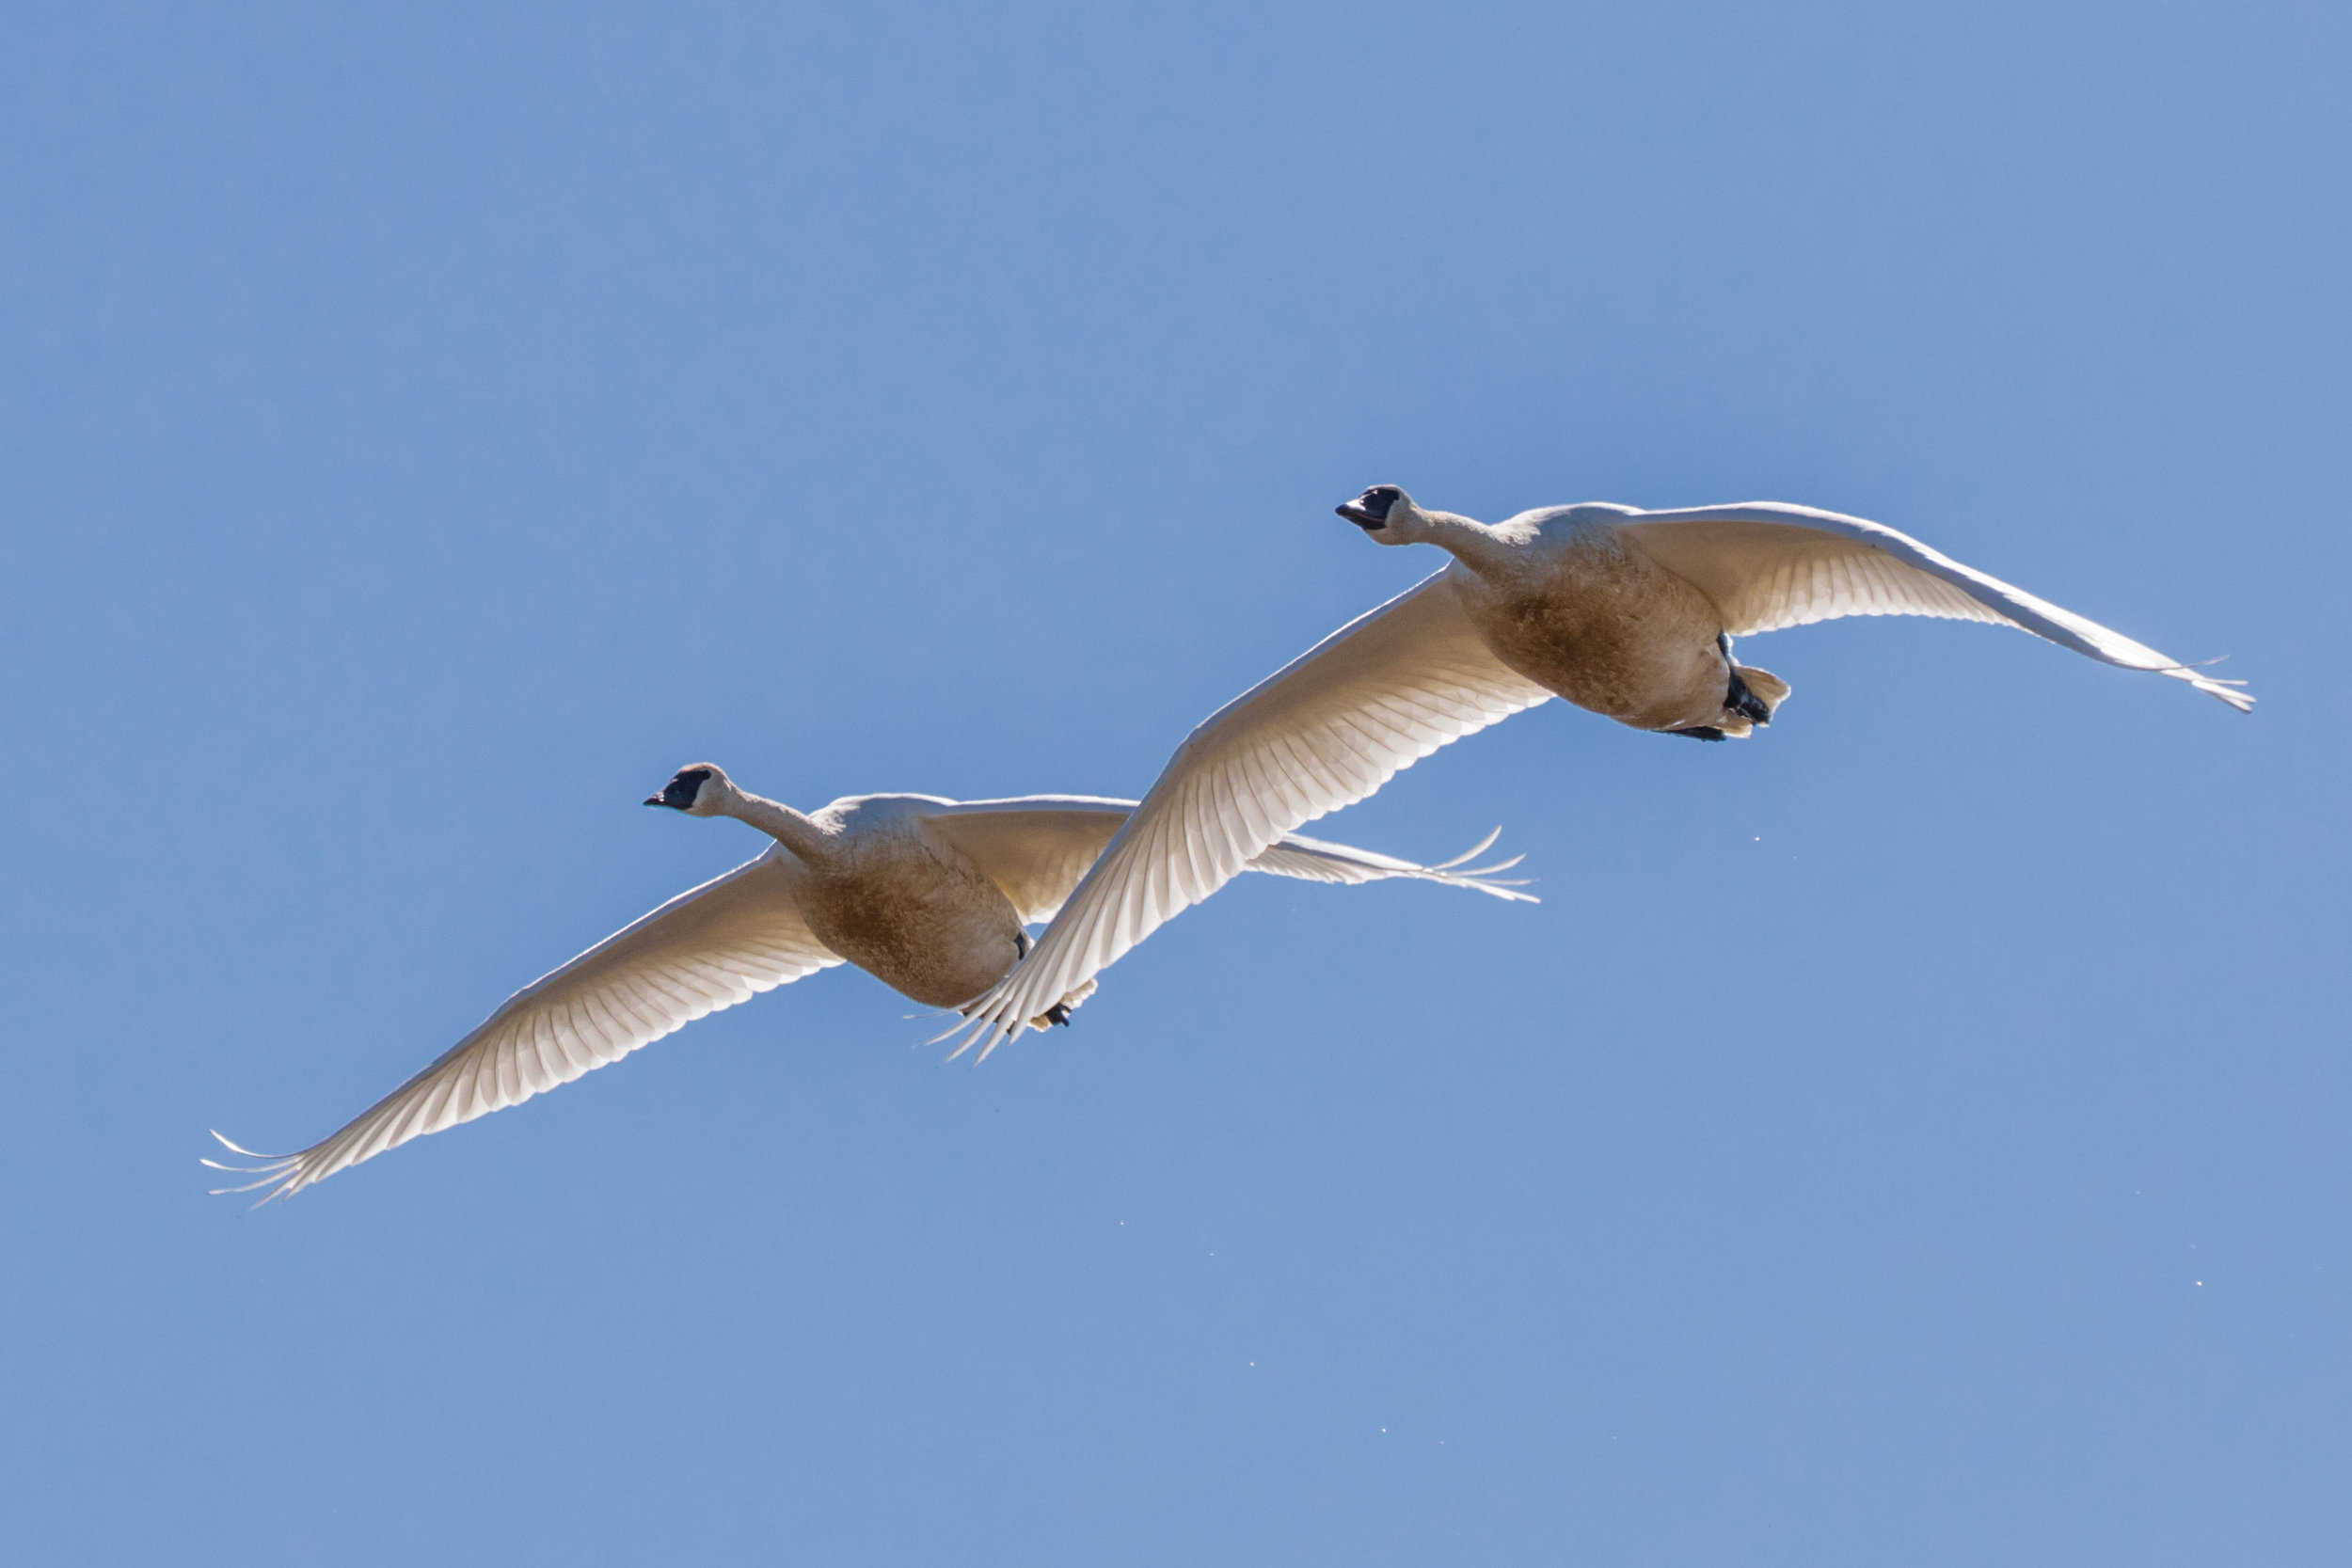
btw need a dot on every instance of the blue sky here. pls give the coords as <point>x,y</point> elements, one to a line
<point>1916,1136</point>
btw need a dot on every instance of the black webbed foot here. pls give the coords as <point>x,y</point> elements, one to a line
<point>1059,1013</point>
<point>1697,732</point>
<point>1739,700</point>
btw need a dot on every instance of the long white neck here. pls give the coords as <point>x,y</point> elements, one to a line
<point>1470,542</point>
<point>795,833</point>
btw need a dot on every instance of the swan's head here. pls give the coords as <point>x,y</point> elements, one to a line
<point>1387,514</point>
<point>696,791</point>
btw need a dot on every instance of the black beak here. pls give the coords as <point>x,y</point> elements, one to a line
<point>678,794</point>
<point>1369,510</point>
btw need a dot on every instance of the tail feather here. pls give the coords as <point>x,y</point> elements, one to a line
<point>1764,684</point>
<point>1763,688</point>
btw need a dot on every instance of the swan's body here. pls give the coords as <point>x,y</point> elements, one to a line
<point>929,896</point>
<point>1628,613</point>
<point>1583,614</point>
<point>902,902</point>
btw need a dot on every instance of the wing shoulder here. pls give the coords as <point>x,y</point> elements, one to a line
<point>1767,567</point>
<point>1035,847</point>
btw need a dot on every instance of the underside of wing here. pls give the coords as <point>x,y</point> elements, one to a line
<point>1765,576</point>
<point>1328,730</point>
<point>718,945</point>
<point>1035,847</point>
<point>1768,565</point>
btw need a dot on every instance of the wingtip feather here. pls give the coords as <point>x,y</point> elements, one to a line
<point>282,1174</point>
<point>238,1148</point>
<point>1471,853</point>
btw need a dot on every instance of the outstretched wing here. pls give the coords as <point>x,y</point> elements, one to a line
<point>1035,848</point>
<point>718,945</point>
<point>1334,725</point>
<point>1767,566</point>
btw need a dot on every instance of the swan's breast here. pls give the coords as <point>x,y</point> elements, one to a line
<point>916,916</point>
<point>1602,625</point>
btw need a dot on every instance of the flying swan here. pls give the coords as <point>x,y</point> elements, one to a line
<point>927,896</point>
<point>1626,612</point>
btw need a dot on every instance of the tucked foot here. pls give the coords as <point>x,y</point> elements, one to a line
<point>1060,1012</point>
<point>1697,732</point>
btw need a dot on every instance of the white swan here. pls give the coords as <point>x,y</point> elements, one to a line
<point>1630,613</point>
<point>929,896</point>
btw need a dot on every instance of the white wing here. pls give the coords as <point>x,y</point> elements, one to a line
<point>718,945</point>
<point>1769,565</point>
<point>1035,848</point>
<point>1336,723</point>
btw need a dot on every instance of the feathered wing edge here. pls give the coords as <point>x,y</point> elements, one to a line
<point>1832,595</point>
<point>711,947</point>
<point>1313,860</point>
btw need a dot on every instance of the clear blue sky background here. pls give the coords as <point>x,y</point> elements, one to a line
<point>1919,1135</point>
